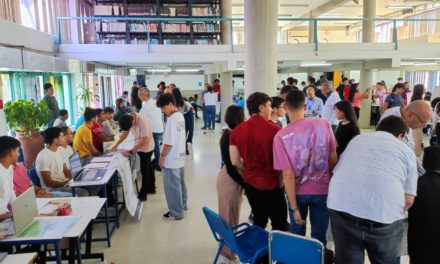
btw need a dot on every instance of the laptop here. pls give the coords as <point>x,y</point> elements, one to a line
<point>24,210</point>
<point>81,174</point>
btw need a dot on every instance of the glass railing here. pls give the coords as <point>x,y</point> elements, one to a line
<point>230,31</point>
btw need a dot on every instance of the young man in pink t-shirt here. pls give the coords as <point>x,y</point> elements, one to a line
<point>305,151</point>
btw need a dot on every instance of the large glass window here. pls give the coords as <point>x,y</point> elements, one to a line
<point>27,12</point>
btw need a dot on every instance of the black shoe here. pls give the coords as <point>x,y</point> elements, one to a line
<point>329,256</point>
<point>187,150</point>
<point>203,128</point>
<point>151,192</point>
<point>142,198</point>
<point>158,169</point>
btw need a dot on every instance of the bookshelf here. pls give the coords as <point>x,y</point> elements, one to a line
<point>161,32</point>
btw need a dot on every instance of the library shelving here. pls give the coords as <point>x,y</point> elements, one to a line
<point>166,32</point>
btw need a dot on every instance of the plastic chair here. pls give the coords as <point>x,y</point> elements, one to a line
<point>33,176</point>
<point>288,248</point>
<point>247,242</point>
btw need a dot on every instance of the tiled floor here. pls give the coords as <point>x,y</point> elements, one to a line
<point>154,240</point>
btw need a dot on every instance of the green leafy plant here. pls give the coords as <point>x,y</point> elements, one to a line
<point>85,96</point>
<point>27,116</point>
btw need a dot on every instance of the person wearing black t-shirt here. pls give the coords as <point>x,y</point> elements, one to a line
<point>348,128</point>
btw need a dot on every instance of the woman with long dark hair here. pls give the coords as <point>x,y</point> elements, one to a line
<point>229,180</point>
<point>210,100</point>
<point>355,97</point>
<point>188,113</point>
<point>418,91</point>
<point>348,128</point>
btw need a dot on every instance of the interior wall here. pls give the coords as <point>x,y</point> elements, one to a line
<point>192,82</point>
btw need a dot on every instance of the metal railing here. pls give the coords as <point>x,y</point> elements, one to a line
<point>313,21</point>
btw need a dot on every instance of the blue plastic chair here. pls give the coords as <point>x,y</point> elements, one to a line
<point>247,242</point>
<point>288,248</point>
<point>33,176</point>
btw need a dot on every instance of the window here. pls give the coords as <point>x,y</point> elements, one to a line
<point>27,11</point>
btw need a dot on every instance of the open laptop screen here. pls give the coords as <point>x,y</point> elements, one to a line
<point>75,164</point>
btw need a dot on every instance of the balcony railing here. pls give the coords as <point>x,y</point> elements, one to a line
<point>324,30</point>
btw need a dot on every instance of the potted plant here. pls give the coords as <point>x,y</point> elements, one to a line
<point>86,97</point>
<point>26,118</point>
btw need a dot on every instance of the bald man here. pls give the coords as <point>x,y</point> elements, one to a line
<point>417,115</point>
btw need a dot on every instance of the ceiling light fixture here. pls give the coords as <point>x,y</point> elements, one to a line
<point>399,7</point>
<point>315,64</point>
<point>425,63</point>
<point>187,70</point>
<point>159,70</point>
<point>330,16</point>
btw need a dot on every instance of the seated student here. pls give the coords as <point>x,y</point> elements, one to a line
<point>279,110</point>
<point>8,157</point>
<point>110,127</point>
<point>65,149</point>
<point>98,135</point>
<point>83,140</point>
<point>61,120</point>
<point>51,166</point>
<point>81,120</point>
<point>424,215</point>
<point>22,183</point>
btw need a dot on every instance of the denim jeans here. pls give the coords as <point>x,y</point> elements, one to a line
<point>205,116</point>
<point>189,126</point>
<point>156,137</point>
<point>317,205</point>
<point>352,239</point>
<point>210,119</point>
<point>175,190</point>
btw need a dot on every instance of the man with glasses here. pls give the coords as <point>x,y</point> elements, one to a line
<point>417,115</point>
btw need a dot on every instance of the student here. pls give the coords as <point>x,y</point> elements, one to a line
<point>80,120</point>
<point>424,215</point>
<point>210,101</point>
<point>66,149</point>
<point>396,98</point>
<point>83,140</point>
<point>144,146</point>
<point>305,152</point>
<point>121,109</point>
<point>125,95</point>
<point>9,153</point>
<point>51,166</point>
<point>230,180</point>
<point>98,135</point>
<point>172,158</point>
<point>61,120</point>
<point>22,183</point>
<point>51,101</point>
<point>355,97</point>
<point>373,184</point>
<point>348,126</point>
<point>109,125</point>
<point>152,113</point>
<point>279,110</point>
<point>342,88</point>
<point>253,154</point>
<point>135,102</point>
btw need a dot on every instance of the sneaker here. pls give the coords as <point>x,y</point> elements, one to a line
<point>203,128</point>
<point>187,150</point>
<point>151,192</point>
<point>142,198</point>
<point>169,216</point>
<point>329,256</point>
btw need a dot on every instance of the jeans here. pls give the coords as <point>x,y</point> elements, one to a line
<point>156,137</point>
<point>268,204</point>
<point>319,218</point>
<point>352,239</point>
<point>210,119</point>
<point>205,117</point>
<point>189,126</point>
<point>175,190</point>
<point>147,171</point>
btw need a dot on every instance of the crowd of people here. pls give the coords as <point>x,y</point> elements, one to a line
<point>319,165</point>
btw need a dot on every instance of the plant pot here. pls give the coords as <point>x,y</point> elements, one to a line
<point>31,147</point>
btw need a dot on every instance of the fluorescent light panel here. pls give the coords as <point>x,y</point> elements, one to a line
<point>159,70</point>
<point>314,64</point>
<point>187,70</point>
<point>399,7</point>
<point>425,63</point>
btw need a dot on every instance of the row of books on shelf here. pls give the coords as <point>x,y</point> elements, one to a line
<point>206,42</point>
<point>175,27</point>
<point>144,41</point>
<point>105,26</point>
<point>206,27</point>
<point>111,41</point>
<point>142,27</point>
<point>174,11</point>
<point>109,10</point>
<point>206,11</point>
<point>156,41</point>
<point>142,10</point>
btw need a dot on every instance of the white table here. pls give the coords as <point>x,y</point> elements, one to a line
<point>27,258</point>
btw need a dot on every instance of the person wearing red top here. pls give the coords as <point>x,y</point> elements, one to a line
<point>251,152</point>
<point>216,87</point>
<point>98,130</point>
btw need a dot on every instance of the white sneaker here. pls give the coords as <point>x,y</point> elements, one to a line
<point>224,260</point>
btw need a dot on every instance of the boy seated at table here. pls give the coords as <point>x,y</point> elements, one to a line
<point>9,153</point>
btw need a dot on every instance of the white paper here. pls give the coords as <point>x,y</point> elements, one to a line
<point>102,159</point>
<point>7,227</point>
<point>98,165</point>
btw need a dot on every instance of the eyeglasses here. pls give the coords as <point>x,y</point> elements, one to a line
<point>420,120</point>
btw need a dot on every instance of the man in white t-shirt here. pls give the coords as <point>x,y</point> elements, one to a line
<point>61,120</point>
<point>51,166</point>
<point>143,146</point>
<point>152,113</point>
<point>172,158</point>
<point>66,150</point>
<point>329,107</point>
<point>9,153</point>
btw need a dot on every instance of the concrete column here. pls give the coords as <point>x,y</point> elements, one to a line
<point>226,94</point>
<point>206,79</point>
<point>226,6</point>
<point>368,35</point>
<point>284,36</point>
<point>260,46</point>
<point>311,29</point>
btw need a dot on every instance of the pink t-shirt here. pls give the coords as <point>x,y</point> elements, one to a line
<point>357,100</point>
<point>21,180</point>
<point>304,147</point>
<point>140,129</point>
